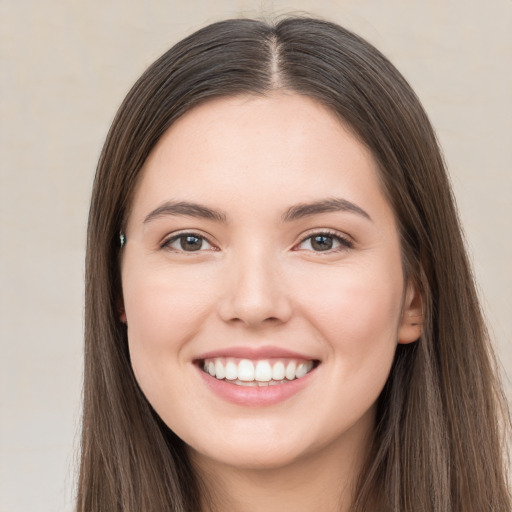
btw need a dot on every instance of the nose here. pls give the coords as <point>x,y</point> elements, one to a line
<point>255,293</point>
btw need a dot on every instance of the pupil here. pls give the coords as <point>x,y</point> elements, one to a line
<point>190,243</point>
<point>321,243</point>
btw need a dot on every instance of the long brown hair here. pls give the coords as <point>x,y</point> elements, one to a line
<point>438,444</point>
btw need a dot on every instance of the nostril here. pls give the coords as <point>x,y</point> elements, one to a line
<point>253,296</point>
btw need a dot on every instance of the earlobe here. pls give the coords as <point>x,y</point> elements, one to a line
<point>121,311</point>
<point>411,322</point>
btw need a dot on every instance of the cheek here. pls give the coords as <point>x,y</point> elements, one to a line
<point>356,311</point>
<point>356,316</point>
<point>164,311</point>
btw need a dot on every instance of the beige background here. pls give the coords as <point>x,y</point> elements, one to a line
<point>65,67</point>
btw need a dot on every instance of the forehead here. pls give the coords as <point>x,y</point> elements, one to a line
<point>276,148</point>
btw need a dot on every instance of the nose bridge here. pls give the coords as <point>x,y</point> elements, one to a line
<point>255,291</point>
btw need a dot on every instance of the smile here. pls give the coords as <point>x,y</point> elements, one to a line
<point>257,373</point>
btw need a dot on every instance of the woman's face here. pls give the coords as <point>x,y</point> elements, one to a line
<point>262,282</point>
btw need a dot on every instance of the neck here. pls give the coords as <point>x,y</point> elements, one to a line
<point>325,480</point>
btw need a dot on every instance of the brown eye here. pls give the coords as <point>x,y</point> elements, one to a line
<point>191,243</point>
<point>187,242</point>
<point>324,242</point>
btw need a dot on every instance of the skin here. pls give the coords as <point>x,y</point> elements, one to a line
<point>259,281</point>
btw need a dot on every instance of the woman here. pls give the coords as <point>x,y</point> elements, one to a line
<point>280,313</point>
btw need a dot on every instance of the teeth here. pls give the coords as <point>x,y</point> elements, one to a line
<point>301,370</point>
<point>256,384</point>
<point>231,371</point>
<point>263,371</point>
<point>278,371</point>
<point>245,372</point>
<point>220,371</point>
<point>290,370</point>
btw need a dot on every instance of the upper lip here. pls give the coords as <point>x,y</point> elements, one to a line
<point>255,353</point>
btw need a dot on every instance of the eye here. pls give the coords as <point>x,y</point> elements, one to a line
<point>187,242</point>
<point>325,242</point>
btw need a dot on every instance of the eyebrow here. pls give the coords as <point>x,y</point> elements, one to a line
<point>295,212</point>
<point>187,209</point>
<point>325,206</point>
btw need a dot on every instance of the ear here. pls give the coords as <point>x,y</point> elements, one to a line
<point>411,322</point>
<point>121,311</point>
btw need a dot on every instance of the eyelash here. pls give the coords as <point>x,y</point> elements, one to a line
<point>344,242</point>
<point>167,243</point>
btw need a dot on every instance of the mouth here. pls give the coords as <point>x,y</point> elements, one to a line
<point>257,373</point>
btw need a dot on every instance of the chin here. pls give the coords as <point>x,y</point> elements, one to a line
<point>248,457</point>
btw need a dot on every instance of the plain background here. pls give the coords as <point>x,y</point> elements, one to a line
<point>65,67</point>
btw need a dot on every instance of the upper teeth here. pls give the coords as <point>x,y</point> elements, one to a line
<point>246,370</point>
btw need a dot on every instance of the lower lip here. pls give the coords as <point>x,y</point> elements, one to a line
<point>256,396</point>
